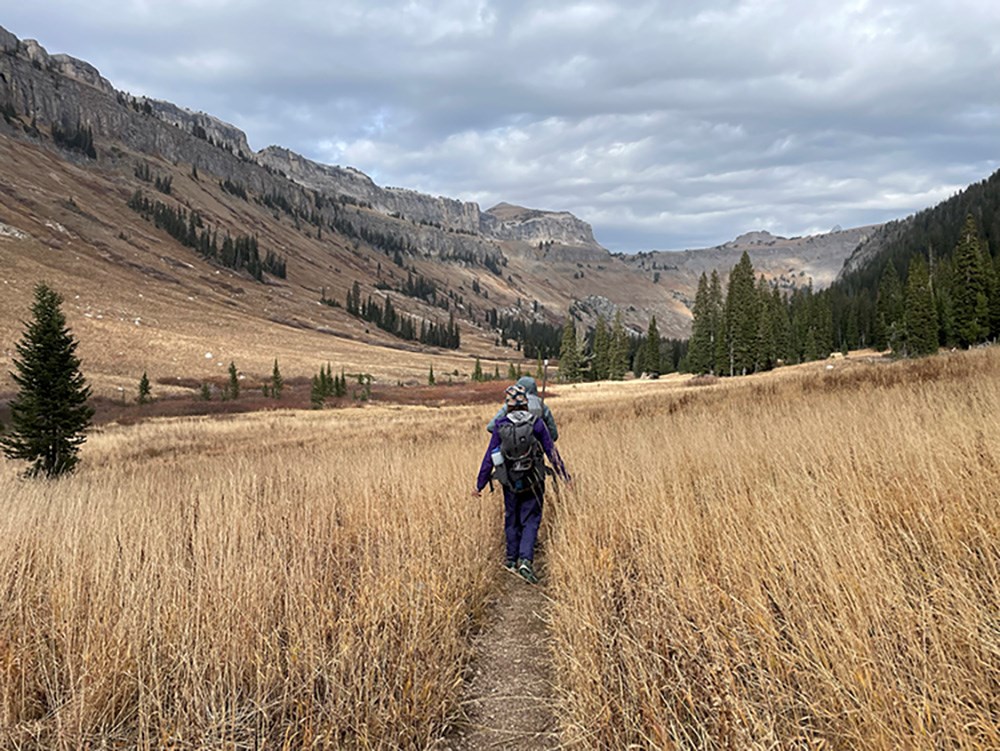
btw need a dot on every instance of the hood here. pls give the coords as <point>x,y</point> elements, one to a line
<point>529,385</point>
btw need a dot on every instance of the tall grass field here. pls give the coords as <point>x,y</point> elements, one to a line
<point>806,559</point>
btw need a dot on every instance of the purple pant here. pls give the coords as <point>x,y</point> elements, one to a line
<point>522,515</point>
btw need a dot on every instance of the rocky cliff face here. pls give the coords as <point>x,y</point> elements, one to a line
<point>507,222</point>
<point>58,89</point>
<point>448,213</point>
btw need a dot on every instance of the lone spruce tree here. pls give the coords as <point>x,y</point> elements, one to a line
<point>277,382</point>
<point>50,413</point>
<point>145,393</point>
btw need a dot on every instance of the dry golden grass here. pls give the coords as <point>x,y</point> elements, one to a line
<point>273,581</point>
<point>807,561</point>
<point>803,560</point>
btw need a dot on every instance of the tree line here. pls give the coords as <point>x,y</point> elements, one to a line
<point>188,228</point>
<point>403,326</point>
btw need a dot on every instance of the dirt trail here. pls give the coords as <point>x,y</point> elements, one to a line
<point>508,699</point>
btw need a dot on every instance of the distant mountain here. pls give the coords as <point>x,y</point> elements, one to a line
<point>77,153</point>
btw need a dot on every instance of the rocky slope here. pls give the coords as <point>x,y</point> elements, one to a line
<point>334,225</point>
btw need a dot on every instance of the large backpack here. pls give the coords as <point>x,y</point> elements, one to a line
<point>524,465</point>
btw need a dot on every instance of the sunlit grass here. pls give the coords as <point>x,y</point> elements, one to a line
<point>809,561</point>
<point>804,559</point>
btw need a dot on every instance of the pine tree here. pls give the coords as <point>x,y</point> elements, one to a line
<point>651,359</point>
<point>889,311</point>
<point>430,376</point>
<point>569,354</point>
<point>144,390</point>
<point>277,382</point>
<point>49,414</point>
<point>969,288</point>
<point>602,349</point>
<point>717,323</point>
<point>699,359</point>
<point>316,392</point>
<point>618,350</point>
<point>234,382</point>
<point>767,336</point>
<point>511,373</point>
<point>921,317</point>
<point>477,371</point>
<point>206,392</point>
<point>742,319</point>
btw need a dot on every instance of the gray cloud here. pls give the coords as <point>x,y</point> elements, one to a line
<point>664,125</point>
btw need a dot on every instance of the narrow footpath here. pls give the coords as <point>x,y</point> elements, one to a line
<point>508,700</point>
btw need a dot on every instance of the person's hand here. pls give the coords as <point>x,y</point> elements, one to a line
<point>569,484</point>
<point>477,494</point>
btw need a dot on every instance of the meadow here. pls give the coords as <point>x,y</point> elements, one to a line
<point>803,559</point>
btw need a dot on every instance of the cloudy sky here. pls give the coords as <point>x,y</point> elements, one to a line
<point>665,125</point>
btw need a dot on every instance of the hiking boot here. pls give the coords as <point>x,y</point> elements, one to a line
<point>511,565</point>
<point>527,571</point>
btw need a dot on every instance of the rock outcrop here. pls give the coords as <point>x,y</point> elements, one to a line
<point>507,222</point>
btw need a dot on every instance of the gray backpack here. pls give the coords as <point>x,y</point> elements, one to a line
<point>523,462</point>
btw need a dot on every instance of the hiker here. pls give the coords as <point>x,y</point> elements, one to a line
<point>514,458</point>
<point>535,406</point>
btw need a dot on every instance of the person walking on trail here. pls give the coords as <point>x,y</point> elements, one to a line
<point>535,406</point>
<point>514,458</point>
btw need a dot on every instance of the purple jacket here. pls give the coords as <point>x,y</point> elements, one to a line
<point>541,433</point>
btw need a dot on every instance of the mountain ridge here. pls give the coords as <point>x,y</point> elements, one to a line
<point>333,224</point>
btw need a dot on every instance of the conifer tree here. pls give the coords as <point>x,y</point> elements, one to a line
<point>206,392</point>
<point>921,317</point>
<point>700,355</point>
<point>539,370</point>
<point>717,323</point>
<point>969,288</point>
<point>49,414</point>
<point>651,356</point>
<point>782,326</point>
<point>277,382</point>
<point>511,373</point>
<point>618,350</point>
<point>234,382</point>
<point>316,392</point>
<point>430,376</point>
<point>569,353</point>
<point>602,349</point>
<point>477,371</point>
<point>889,311</point>
<point>144,389</point>
<point>742,319</point>
<point>767,336</point>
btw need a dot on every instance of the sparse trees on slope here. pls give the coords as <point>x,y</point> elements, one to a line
<point>49,414</point>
